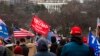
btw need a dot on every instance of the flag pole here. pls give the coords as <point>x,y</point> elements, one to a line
<point>89,33</point>
<point>97,31</point>
<point>13,39</point>
<point>30,29</point>
<point>89,29</point>
<point>32,36</point>
<point>98,23</point>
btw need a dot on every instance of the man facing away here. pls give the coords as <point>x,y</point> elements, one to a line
<point>3,49</point>
<point>76,47</point>
<point>25,49</point>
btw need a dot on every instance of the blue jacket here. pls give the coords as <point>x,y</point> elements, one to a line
<point>74,49</point>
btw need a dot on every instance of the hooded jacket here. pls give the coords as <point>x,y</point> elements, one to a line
<point>54,44</point>
<point>75,48</point>
<point>43,49</point>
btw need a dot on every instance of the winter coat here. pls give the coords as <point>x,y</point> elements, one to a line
<point>58,51</point>
<point>54,44</point>
<point>45,54</point>
<point>60,46</point>
<point>25,49</point>
<point>32,49</point>
<point>43,49</point>
<point>74,49</point>
<point>53,47</point>
<point>3,51</point>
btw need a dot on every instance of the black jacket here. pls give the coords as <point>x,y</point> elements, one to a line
<point>25,50</point>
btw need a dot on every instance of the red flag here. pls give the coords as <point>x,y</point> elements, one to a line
<point>40,26</point>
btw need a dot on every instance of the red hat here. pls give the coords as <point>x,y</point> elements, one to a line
<point>76,30</point>
<point>85,39</point>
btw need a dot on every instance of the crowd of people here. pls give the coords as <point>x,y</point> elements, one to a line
<point>43,47</point>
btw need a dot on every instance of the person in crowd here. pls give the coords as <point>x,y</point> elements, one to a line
<point>32,48</point>
<point>25,49</point>
<point>60,46</point>
<point>37,37</point>
<point>76,47</point>
<point>18,49</point>
<point>3,50</point>
<point>43,49</point>
<point>44,38</point>
<point>50,34</point>
<point>9,47</point>
<point>85,41</point>
<point>54,44</point>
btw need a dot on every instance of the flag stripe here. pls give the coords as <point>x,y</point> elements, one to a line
<point>22,33</point>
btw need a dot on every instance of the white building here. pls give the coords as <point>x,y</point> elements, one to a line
<point>36,1</point>
<point>51,5</point>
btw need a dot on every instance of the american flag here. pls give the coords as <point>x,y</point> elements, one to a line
<point>22,33</point>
